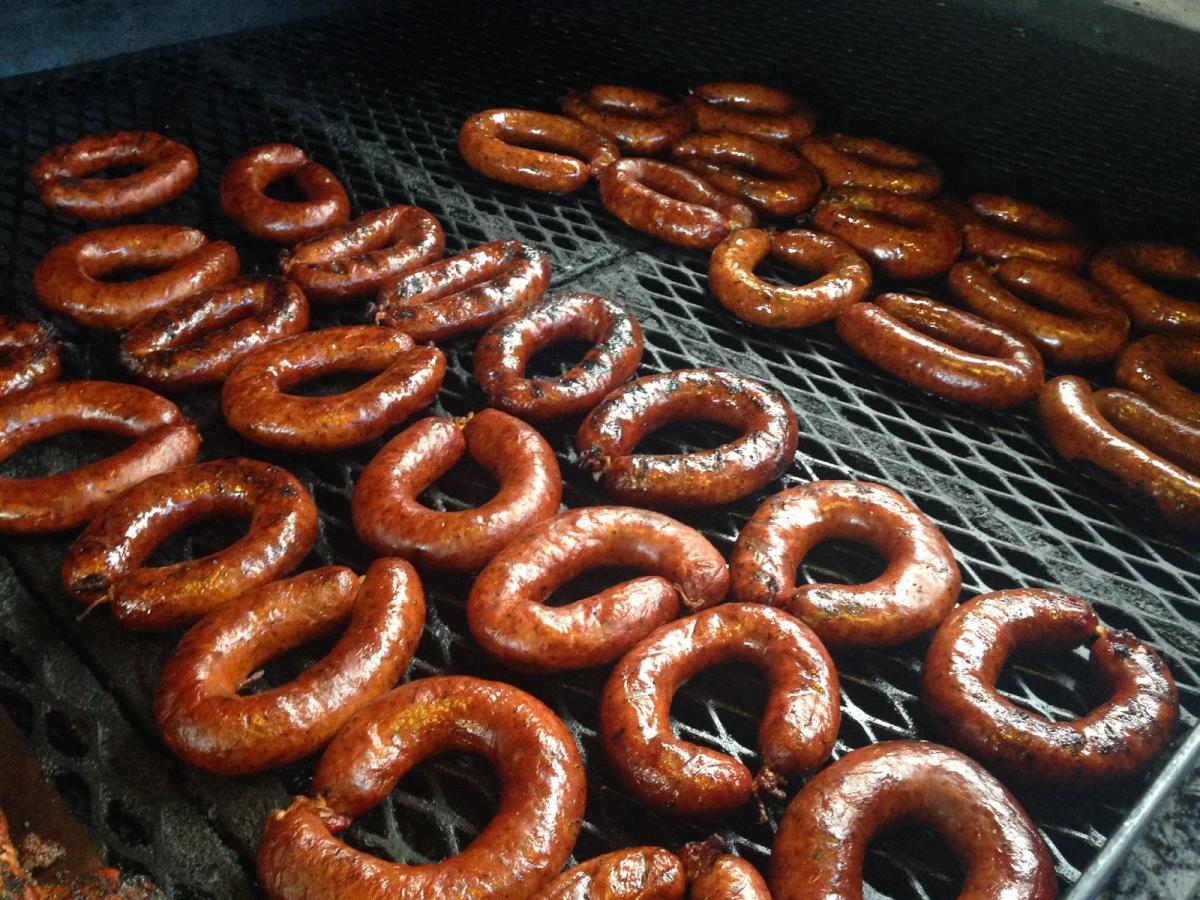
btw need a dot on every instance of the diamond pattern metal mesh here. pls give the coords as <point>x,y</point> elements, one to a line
<point>378,97</point>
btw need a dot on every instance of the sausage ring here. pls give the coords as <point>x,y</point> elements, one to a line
<point>842,278</point>
<point>208,724</point>
<point>636,873</point>
<point>716,875</point>
<point>995,228</point>
<point>847,161</point>
<point>258,406</point>
<point>467,292</point>
<point>944,350</point>
<point>162,439</point>
<point>754,109</point>
<point>1070,320</point>
<point>105,562</point>
<point>360,257</point>
<point>913,595</point>
<point>823,837</point>
<point>244,197</point>
<point>1145,367</point>
<point>798,728</point>
<point>906,237</point>
<point>60,175</point>
<point>200,340</point>
<point>767,176</point>
<point>1123,270</point>
<point>1159,432</point>
<point>1076,423</point>
<point>503,353</point>
<point>67,280</point>
<point>540,812</point>
<point>498,143</point>
<point>392,521</point>
<point>671,203</point>
<point>642,123</point>
<point>613,429</point>
<point>28,355</point>
<point>1111,743</point>
<point>508,615</point>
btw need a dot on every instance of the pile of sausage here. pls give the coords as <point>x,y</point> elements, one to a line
<point>979,295</point>
<point>195,322</point>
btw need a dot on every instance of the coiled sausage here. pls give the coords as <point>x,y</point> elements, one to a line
<point>1123,270</point>
<point>636,873</point>
<point>1159,432</point>
<point>847,161</point>
<point>995,228</point>
<point>769,177</point>
<point>755,109</point>
<point>244,197</point>
<point>28,355</point>
<point>717,875</point>
<point>1146,366</point>
<point>642,123</point>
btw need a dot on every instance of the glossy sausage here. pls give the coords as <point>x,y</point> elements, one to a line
<point>841,279</point>
<point>68,280</point>
<point>162,439</point>
<point>847,161</point>
<point>1147,367</point>
<point>796,734</point>
<point>208,723</point>
<point>995,228</point>
<point>258,403</point>
<point>716,875</point>
<point>244,198</point>
<point>1159,432</point>
<point>1113,742</point>
<point>609,434</point>
<point>200,340</point>
<point>755,109</point>
<point>503,353</point>
<point>944,350</point>
<point>905,237</point>
<point>467,292</point>
<point>515,146</point>
<point>642,123</point>
<point>510,619</point>
<point>28,355</point>
<point>913,595</point>
<point>392,521</point>
<point>769,177</point>
<point>105,564</point>
<point>167,169</point>
<point>822,839</point>
<point>636,873</point>
<point>1070,321</point>
<point>1124,270</point>
<point>362,256</point>
<point>539,815</point>
<point>671,203</point>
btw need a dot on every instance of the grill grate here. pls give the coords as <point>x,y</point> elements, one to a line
<point>378,98</point>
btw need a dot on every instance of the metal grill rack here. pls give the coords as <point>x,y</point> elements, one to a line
<point>378,96</point>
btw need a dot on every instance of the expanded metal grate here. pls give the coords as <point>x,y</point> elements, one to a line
<point>378,97</point>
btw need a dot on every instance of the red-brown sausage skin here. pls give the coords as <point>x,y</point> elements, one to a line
<point>769,177</point>
<point>1111,743</point>
<point>244,197</point>
<point>996,228</point>
<point>67,280</point>
<point>754,109</point>
<point>716,875</point>
<point>904,237</point>
<point>671,203</point>
<point>798,728</point>
<point>913,595</point>
<point>609,434</point>
<point>822,839</point>
<point>1123,269</point>
<point>200,340</point>
<point>636,873</point>
<point>205,721</point>
<point>1146,366</point>
<point>28,355</point>
<point>944,350</point>
<point>842,277</point>
<point>525,844</point>
<point>847,161</point>
<point>167,169</point>
<point>360,257</point>
<point>1143,422</point>
<point>467,292</point>
<point>498,143</point>
<point>1076,424</point>
<point>1070,321</point>
<point>390,520</point>
<point>105,562</point>
<point>502,354</point>
<point>257,405</point>
<point>162,439</point>
<point>508,615</point>
<point>642,123</point>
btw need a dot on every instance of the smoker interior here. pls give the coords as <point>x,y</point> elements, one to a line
<point>378,97</point>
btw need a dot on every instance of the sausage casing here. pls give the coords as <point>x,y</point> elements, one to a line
<point>1148,366</point>
<point>642,123</point>
<point>1124,270</point>
<point>635,873</point>
<point>716,875</point>
<point>847,161</point>
<point>996,228</point>
<point>28,355</point>
<point>754,109</point>
<point>244,198</point>
<point>769,177</point>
